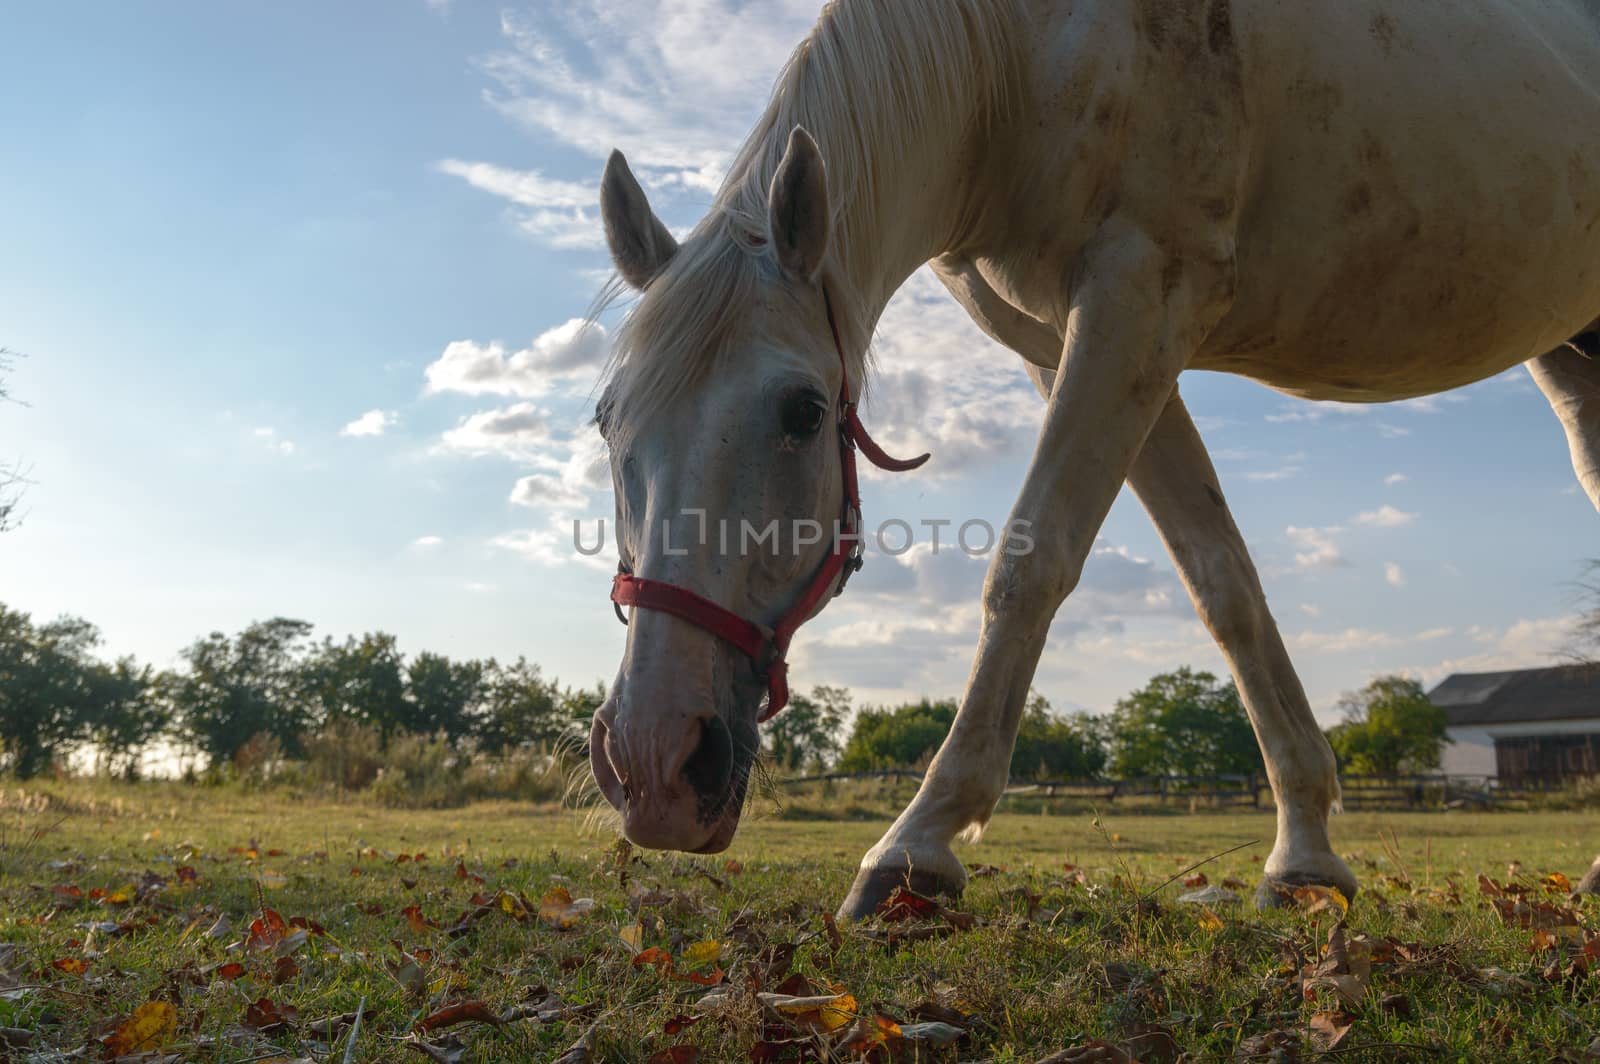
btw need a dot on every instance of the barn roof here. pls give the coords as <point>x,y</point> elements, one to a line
<point>1566,692</point>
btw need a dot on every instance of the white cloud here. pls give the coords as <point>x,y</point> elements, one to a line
<point>1313,412</point>
<point>1385,516</point>
<point>269,436</point>
<point>944,387</point>
<point>1395,575</point>
<point>555,545</point>
<point>1342,642</point>
<point>542,489</point>
<point>561,214</point>
<point>1315,547</point>
<point>676,86</point>
<point>567,352</point>
<point>427,542</point>
<point>1395,479</point>
<point>513,432</point>
<point>1355,639</point>
<point>1528,643</point>
<point>439,7</point>
<point>372,423</point>
<point>1284,473</point>
<point>1309,610</point>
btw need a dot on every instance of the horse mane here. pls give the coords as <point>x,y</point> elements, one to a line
<point>872,78</point>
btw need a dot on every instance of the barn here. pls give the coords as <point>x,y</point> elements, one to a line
<point>1524,727</point>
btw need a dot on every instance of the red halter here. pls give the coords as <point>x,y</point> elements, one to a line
<point>767,647</point>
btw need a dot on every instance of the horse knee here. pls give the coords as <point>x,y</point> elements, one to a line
<point>1024,584</point>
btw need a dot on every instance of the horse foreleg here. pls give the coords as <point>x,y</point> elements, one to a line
<point>1137,314</point>
<point>1570,378</point>
<point>1175,481</point>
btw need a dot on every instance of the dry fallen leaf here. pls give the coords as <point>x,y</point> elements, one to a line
<point>681,1054</point>
<point>1314,899</point>
<point>461,1012</point>
<point>152,1025</point>
<point>418,923</point>
<point>1329,1029</point>
<point>1093,1051</point>
<point>268,1017</point>
<point>702,953</point>
<point>1345,968</point>
<point>581,1051</point>
<point>447,1050</point>
<point>558,909</point>
<point>820,1014</point>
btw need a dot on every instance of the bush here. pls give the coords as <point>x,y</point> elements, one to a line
<point>527,774</point>
<point>420,772</point>
<point>346,754</point>
<point>1574,795</point>
<point>258,760</point>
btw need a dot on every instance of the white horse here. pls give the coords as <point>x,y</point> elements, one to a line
<point>1364,201</point>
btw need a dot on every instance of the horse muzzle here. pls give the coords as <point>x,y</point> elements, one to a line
<point>676,780</point>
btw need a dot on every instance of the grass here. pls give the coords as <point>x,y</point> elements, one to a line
<point>1056,958</point>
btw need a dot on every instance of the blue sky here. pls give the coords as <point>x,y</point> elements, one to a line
<point>295,283</point>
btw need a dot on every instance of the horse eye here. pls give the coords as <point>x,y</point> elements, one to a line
<point>802,415</point>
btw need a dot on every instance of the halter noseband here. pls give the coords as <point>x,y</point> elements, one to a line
<point>765,646</point>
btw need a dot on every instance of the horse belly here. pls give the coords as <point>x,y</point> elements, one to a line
<point>1422,205</point>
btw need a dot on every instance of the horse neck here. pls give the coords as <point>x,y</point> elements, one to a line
<point>913,212</point>
<point>898,94</point>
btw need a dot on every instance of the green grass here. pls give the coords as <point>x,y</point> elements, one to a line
<point>1050,964</point>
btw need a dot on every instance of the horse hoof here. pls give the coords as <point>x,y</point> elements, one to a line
<point>1277,892</point>
<point>874,885</point>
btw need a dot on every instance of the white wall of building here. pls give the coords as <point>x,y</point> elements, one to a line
<point>1470,752</point>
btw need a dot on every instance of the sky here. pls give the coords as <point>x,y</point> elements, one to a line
<point>299,287</point>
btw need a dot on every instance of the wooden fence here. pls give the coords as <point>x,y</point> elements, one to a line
<point>1432,791</point>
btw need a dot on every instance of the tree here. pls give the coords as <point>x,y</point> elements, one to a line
<point>1585,646</point>
<point>1050,746</point>
<point>13,478</point>
<point>236,689</point>
<point>897,738</point>
<point>806,735</point>
<point>122,713</point>
<point>1183,723</point>
<point>362,680</point>
<point>45,680</point>
<point>520,707</point>
<point>1389,728</point>
<point>576,709</point>
<point>444,695</point>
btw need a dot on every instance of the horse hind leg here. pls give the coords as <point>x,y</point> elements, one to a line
<point>1569,376</point>
<point>1178,487</point>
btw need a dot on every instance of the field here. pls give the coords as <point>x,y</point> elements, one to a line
<point>145,921</point>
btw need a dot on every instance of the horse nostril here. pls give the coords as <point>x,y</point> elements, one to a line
<point>709,769</point>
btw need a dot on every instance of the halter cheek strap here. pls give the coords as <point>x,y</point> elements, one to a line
<point>768,647</point>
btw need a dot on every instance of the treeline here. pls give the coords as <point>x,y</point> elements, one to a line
<point>272,695</point>
<point>269,692</point>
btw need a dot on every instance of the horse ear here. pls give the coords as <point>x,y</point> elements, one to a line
<point>640,244</point>
<point>799,219</point>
